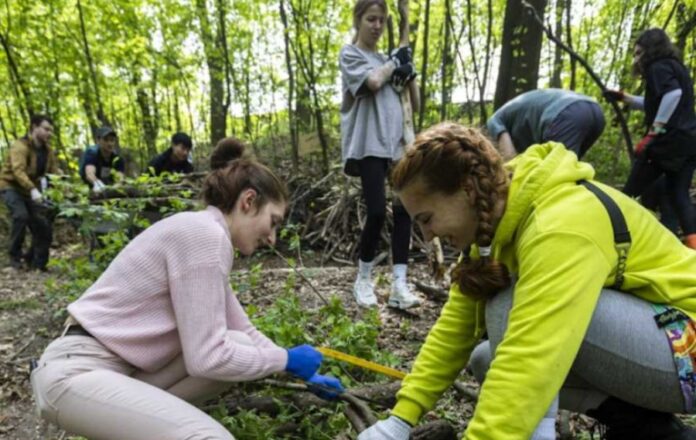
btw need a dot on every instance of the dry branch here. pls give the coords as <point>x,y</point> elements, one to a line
<point>434,293</point>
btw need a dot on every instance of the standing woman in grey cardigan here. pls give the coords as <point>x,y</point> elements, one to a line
<point>372,138</point>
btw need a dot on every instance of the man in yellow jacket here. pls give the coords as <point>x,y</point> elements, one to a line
<point>22,181</point>
<point>539,235</point>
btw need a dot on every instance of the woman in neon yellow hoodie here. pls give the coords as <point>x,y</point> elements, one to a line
<point>547,243</point>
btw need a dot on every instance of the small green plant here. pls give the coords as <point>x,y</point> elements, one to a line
<point>287,323</point>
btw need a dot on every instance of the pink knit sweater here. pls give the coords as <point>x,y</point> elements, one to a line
<point>168,292</point>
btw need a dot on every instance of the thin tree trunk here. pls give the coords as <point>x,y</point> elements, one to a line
<point>487,62</point>
<point>474,58</point>
<point>555,81</point>
<point>101,116</point>
<point>147,119</point>
<point>14,128</point>
<point>618,54</point>
<point>685,25</point>
<point>292,122</point>
<point>310,73</point>
<point>424,67</point>
<point>222,42</point>
<point>445,67</point>
<point>465,77</point>
<point>54,87</point>
<point>569,43</point>
<point>24,101</point>
<point>214,54</point>
<point>4,131</point>
<point>86,101</point>
<point>177,116</point>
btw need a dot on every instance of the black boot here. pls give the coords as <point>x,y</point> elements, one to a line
<point>624,421</point>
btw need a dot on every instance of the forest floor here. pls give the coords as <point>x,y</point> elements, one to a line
<point>28,322</point>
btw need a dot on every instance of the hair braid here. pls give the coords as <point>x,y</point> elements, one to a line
<point>449,157</point>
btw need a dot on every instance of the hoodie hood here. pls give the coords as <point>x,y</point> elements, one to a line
<point>536,172</point>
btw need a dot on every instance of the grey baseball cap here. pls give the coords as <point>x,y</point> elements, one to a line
<point>105,131</point>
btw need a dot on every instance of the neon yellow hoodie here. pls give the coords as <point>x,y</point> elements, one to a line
<point>557,238</point>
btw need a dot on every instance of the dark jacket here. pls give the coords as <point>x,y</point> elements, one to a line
<point>671,149</point>
<point>164,163</point>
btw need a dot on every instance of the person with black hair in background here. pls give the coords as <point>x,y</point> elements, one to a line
<point>174,159</point>
<point>669,147</point>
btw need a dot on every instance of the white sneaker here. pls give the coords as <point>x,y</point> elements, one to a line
<point>401,296</point>
<point>364,292</point>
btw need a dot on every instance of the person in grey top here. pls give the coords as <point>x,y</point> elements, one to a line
<point>371,138</point>
<point>544,115</point>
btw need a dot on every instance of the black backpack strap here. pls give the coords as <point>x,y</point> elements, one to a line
<point>622,237</point>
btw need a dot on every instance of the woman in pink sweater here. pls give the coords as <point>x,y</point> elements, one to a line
<point>161,328</point>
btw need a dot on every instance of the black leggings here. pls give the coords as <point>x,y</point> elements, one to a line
<point>373,173</point>
<point>677,184</point>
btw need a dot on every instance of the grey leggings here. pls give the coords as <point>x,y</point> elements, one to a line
<point>624,354</point>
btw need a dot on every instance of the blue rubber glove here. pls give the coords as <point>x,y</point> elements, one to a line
<point>323,386</point>
<point>303,361</point>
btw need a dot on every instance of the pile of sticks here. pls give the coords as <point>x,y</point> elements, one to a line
<point>331,213</point>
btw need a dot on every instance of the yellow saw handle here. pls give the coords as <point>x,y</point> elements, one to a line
<point>360,362</point>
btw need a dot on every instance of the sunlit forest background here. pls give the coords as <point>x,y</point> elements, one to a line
<point>267,70</point>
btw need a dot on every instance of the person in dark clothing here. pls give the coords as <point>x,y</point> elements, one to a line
<point>100,160</point>
<point>175,159</point>
<point>22,182</point>
<point>669,147</point>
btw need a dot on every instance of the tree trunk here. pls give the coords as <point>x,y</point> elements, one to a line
<point>147,119</point>
<point>424,67</point>
<point>487,62</point>
<point>86,101</point>
<point>54,90</point>
<point>177,116</point>
<point>685,25</point>
<point>617,66</point>
<point>521,50</point>
<point>292,122</point>
<point>569,43</point>
<point>446,66</point>
<point>310,73</point>
<point>101,116</point>
<point>213,41</point>
<point>4,132</point>
<point>24,101</point>
<point>555,81</point>
<point>247,103</point>
<point>480,84</point>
